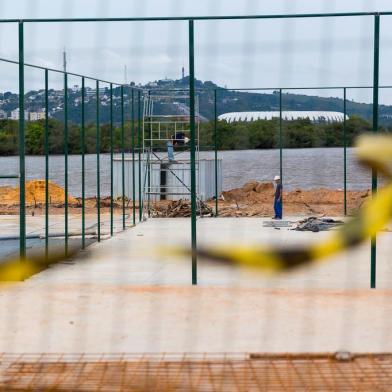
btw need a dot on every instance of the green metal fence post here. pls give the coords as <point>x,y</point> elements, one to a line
<point>122,157</point>
<point>192,136</point>
<point>22,163</point>
<point>66,163</point>
<point>216,150</point>
<point>139,108</point>
<point>281,141</point>
<point>46,143</point>
<point>111,159</point>
<point>373,247</point>
<point>149,161</point>
<point>83,165</point>
<point>133,160</point>
<point>98,146</point>
<point>345,149</point>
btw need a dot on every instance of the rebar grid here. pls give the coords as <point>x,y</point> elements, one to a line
<point>196,372</point>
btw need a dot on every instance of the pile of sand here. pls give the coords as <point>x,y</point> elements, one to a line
<point>258,192</point>
<point>35,194</point>
<point>256,199</point>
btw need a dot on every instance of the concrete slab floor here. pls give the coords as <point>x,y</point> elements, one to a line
<point>127,296</point>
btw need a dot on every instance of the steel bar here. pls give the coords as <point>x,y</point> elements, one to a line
<point>149,113</point>
<point>9,176</point>
<point>192,153</point>
<point>216,151</point>
<point>139,108</point>
<point>281,142</point>
<point>98,149</point>
<point>83,164</point>
<point>46,147</point>
<point>111,159</point>
<point>192,18</point>
<point>345,149</point>
<point>133,159</point>
<point>22,163</point>
<point>376,65</point>
<point>66,163</point>
<point>122,157</point>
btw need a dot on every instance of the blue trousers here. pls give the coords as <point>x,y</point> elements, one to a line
<point>278,208</point>
<point>170,151</point>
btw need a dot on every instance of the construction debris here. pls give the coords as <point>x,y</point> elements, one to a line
<point>316,224</point>
<point>182,208</point>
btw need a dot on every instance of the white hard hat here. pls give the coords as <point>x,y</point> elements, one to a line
<point>276,178</point>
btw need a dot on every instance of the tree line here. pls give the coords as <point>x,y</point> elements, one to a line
<point>261,134</point>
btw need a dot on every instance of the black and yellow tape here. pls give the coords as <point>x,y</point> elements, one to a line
<point>374,152</point>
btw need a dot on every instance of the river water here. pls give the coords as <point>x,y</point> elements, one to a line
<point>302,168</point>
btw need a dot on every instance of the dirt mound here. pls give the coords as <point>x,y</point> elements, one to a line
<point>256,199</point>
<point>35,194</point>
<point>251,192</point>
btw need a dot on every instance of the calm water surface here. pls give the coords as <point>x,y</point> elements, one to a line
<point>302,168</point>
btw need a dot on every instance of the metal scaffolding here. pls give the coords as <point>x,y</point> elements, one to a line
<point>166,159</point>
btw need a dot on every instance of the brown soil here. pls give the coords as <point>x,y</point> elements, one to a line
<point>256,199</point>
<point>35,194</point>
<point>253,199</point>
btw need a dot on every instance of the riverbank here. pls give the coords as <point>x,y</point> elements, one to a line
<point>252,199</point>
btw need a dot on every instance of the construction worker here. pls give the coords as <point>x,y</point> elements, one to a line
<point>170,149</point>
<point>278,198</point>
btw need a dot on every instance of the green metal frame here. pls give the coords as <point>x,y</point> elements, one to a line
<point>216,150</point>
<point>191,21</point>
<point>123,157</point>
<point>66,164</point>
<point>376,67</point>
<point>83,163</point>
<point>193,149</point>
<point>98,147</point>
<point>133,158</point>
<point>345,149</point>
<point>111,160</point>
<point>22,162</point>
<point>46,142</point>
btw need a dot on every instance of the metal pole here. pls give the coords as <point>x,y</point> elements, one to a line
<point>83,166</point>
<point>133,160</point>
<point>66,162</point>
<point>122,157</point>
<point>373,246</point>
<point>149,155</point>
<point>281,142</point>
<point>192,136</point>
<point>22,164</point>
<point>111,159</point>
<point>98,147</point>
<point>345,149</point>
<point>46,142</point>
<point>139,108</point>
<point>216,151</point>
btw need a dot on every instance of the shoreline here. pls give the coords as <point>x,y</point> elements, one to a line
<point>252,199</point>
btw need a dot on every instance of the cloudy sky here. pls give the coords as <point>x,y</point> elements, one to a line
<point>263,53</point>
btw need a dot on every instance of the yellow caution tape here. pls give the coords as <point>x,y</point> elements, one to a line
<point>373,151</point>
<point>16,269</point>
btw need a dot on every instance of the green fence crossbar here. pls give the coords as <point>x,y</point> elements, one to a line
<point>191,20</point>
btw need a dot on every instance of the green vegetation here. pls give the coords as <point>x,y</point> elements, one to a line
<point>264,134</point>
<point>35,138</point>
<point>260,134</point>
